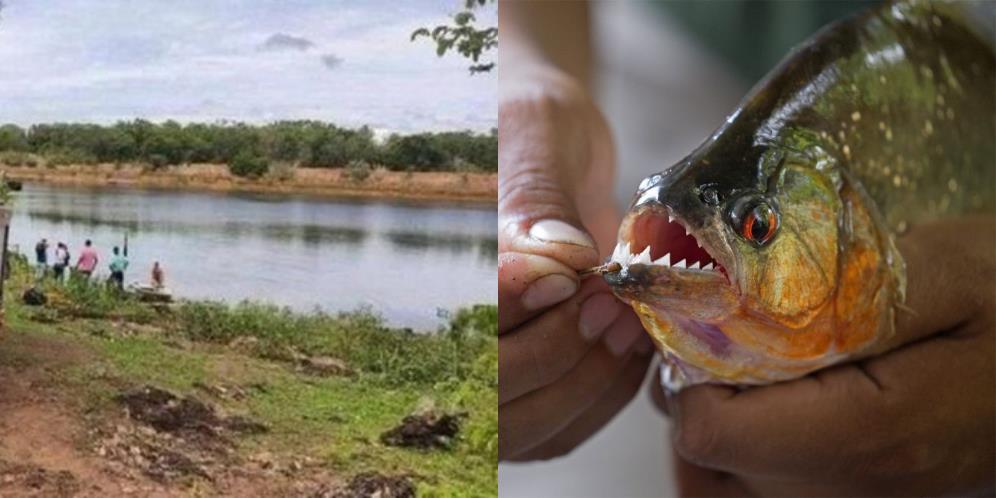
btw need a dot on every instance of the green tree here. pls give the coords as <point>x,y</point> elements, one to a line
<point>246,164</point>
<point>418,152</point>
<point>464,36</point>
<point>13,138</point>
<point>305,143</point>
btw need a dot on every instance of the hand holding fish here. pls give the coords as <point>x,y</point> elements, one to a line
<point>571,354</point>
<point>914,421</point>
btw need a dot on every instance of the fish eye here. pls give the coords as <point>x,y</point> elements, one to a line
<point>755,220</point>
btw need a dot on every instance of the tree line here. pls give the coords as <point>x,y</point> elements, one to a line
<point>304,143</point>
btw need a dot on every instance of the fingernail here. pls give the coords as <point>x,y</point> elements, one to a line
<point>620,339</point>
<point>597,313</point>
<point>560,232</point>
<point>548,290</point>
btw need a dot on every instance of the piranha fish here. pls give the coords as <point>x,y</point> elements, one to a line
<point>768,252</point>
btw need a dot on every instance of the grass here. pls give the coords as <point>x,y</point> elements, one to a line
<point>337,420</point>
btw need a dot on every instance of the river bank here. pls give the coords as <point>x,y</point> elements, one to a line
<point>478,188</point>
<point>107,395</point>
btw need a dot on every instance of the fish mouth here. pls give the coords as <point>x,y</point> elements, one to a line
<point>654,236</point>
<point>668,270</point>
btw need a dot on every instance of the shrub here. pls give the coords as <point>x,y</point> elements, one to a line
<point>158,161</point>
<point>283,171</point>
<point>360,338</point>
<point>461,165</point>
<point>358,171</point>
<point>68,157</point>
<point>248,165</point>
<point>18,159</point>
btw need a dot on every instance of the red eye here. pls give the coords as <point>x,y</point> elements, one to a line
<point>759,224</point>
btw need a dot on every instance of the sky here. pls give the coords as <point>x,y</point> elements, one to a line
<point>350,62</point>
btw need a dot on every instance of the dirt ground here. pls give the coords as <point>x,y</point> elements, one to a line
<point>150,443</point>
<point>421,186</point>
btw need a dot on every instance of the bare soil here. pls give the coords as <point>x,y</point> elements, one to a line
<point>417,186</point>
<point>149,442</point>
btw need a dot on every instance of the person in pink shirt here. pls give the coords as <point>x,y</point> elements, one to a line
<point>88,260</point>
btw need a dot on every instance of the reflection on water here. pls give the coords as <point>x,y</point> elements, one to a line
<point>486,247</point>
<point>405,261</point>
<point>308,234</point>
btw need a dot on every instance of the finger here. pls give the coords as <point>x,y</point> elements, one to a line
<point>527,284</point>
<point>537,184</point>
<point>591,421</point>
<point>838,423</point>
<point>694,481</point>
<point>949,266</point>
<point>528,421</point>
<point>546,348</point>
<point>777,430</point>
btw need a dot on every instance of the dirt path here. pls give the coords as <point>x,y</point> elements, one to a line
<point>40,431</point>
<point>53,444</point>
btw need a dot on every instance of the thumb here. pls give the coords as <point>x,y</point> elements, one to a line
<point>536,209</point>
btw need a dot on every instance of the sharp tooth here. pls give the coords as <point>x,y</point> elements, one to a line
<point>670,219</point>
<point>664,260</point>
<point>617,253</point>
<point>708,266</point>
<point>644,257</point>
<point>624,255</point>
<point>680,264</point>
<point>698,243</point>
<point>695,266</point>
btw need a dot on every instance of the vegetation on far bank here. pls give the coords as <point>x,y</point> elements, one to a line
<point>335,420</point>
<point>250,150</point>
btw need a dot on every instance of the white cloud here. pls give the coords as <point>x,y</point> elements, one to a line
<point>66,60</point>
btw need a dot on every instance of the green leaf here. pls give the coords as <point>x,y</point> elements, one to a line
<point>419,32</point>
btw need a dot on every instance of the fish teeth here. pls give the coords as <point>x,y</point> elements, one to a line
<point>695,266</point>
<point>708,266</point>
<point>624,254</point>
<point>680,264</point>
<point>664,260</point>
<point>643,258</point>
<point>670,219</point>
<point>621,252</point>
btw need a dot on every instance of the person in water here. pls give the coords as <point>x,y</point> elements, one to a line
<point>158,276</point>
<point>88,260</point>
<point>915,420</point>
<point>62,259</point>
<point>118,265</point>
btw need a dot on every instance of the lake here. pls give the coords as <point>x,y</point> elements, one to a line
<point>407,261</point>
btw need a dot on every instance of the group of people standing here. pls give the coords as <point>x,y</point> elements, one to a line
<point>87,262</point>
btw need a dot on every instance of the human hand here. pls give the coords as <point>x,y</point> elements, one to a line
<point>915,421</point>
<point>570,354</point>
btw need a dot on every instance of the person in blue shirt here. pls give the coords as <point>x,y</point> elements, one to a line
<point>119,263</point>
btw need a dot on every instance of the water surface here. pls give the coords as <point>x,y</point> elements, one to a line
<point>406,261</point>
